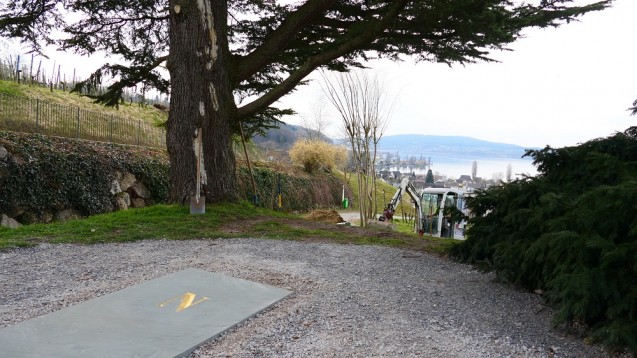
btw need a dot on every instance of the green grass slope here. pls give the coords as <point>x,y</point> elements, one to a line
<point>147,114</point>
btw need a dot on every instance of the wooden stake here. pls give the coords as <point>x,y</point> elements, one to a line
<point>243,141</point>
<point>199,150</point>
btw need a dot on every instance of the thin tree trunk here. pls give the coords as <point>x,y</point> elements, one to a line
<point>357,168</point>
<point>201,97</point>
<point>374,184</point>
<point>361,198</point>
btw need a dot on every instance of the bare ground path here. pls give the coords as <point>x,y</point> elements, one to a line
<point>354,301</point>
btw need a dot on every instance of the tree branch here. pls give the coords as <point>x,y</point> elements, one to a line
<point>280,38</point>
<point>29,20</point>
<point>633,109</point>
<point>357,42</point>
<point>130,76</point>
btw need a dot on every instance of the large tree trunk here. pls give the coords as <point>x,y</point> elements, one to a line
<point>201,97</point>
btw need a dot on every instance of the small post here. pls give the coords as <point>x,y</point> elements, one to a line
<point>111,129</point>
<point>31,70</point>
<point>343,202</point>
<point>17,70</point>
<point>197,202</point>
<point>245,151</point>
<point>53,75</point>
<point>280,196</point>
<point>139,132</point>
<point>37,73</point>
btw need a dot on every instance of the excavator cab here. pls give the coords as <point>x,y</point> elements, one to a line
<point>437,204</point>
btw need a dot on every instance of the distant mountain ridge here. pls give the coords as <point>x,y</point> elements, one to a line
<point>284,136</point>
<point>452,147</point>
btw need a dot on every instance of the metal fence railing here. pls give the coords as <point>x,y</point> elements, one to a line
<point>36,116</point>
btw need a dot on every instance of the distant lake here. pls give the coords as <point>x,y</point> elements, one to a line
<point>455,167</point>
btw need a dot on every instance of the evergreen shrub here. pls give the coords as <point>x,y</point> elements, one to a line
<point>570,231</point>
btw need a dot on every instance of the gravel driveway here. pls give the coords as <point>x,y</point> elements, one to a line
<point>348,301</point>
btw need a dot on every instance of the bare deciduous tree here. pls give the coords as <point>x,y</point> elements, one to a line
<point>361,102</point>
<point>316,123</point>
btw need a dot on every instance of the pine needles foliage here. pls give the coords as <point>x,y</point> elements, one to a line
<point>571,231</point>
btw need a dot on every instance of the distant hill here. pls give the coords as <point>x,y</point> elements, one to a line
<point>283,137</point>
<point>407,145</point>
<point>452,147</point>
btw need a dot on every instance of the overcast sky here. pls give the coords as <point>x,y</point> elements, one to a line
<point>560,86</point>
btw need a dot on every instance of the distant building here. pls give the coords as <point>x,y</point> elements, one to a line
<point>436,185</point>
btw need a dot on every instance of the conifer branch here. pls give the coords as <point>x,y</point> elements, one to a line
<point>368,33</point>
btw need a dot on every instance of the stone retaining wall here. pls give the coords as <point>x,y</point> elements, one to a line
<point>52,179</point>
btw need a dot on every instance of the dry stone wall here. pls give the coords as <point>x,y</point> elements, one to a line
<point>52,179</point>
<point>44,179</point>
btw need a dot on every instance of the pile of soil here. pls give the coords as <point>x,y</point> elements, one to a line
<point>328,216</point>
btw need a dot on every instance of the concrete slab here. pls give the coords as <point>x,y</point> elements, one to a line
<point>166,317</point>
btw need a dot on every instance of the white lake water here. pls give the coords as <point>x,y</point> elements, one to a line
<point>487,167</point>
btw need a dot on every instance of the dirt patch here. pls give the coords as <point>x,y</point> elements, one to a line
<point>328,216</point>
<point>241,228</point>
<point>318,231</point>
<point>294,228</point>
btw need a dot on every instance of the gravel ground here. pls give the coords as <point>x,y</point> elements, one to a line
<point>348,301</point>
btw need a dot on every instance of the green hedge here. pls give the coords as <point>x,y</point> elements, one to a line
<point>300,192</point>
<point>572,232</point>
<point>45,174</point>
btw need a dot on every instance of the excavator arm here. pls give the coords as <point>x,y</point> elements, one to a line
<point>415,198</point>
<point>405,187</point>
<point>388,213</point>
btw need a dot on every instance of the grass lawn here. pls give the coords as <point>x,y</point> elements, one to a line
<point>174,222</point>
